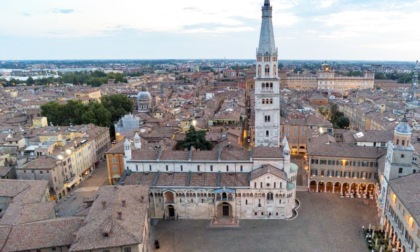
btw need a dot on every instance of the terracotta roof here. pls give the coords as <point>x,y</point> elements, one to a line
<point>23,191</point>
<point>43,234</point>
<point>408,192</point>
<point>172,179</point>
<point>103,228</point>
<point>25,213</point>
<point>321,147</point>
<point>234,179</point>
<point>268,169</point>
<point>206,179</point>
<point>267,152</point>
<point>375,136</point>
<point>42,162</point>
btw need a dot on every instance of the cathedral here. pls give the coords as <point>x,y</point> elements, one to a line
<point>227,182</point>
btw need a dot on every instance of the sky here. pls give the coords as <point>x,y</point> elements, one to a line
<point>211,29</point>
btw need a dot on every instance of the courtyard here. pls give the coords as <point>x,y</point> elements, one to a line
<point>325,222</point>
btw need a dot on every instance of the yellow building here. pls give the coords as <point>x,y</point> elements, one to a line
<point>39,122</point>
<point>91,95</point>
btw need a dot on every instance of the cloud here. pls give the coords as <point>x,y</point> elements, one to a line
<point>63,11</point>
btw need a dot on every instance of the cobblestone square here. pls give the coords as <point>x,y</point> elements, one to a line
<point>326,222</point>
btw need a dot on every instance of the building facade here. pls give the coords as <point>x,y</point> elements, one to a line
<point>327,80</point>
<point>228,182</point>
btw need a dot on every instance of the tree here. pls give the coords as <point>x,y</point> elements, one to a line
<point>196,139</point>
<point>343,122</point>
<point>323,110</point>
<point>30,81</point>
<point>118,105</point>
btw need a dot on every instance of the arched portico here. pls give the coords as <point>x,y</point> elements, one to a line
<point>224,209</point>
<point>313,186</point>
<point>338,188</point>
<point>329,187</point>
<point>321,186</point>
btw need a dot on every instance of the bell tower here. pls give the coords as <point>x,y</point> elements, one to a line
<point>267,85</point>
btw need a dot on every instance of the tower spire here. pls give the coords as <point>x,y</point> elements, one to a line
<point>267,45</point>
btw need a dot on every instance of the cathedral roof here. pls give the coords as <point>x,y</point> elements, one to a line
<point>403,127</point>
<point>144,95</point>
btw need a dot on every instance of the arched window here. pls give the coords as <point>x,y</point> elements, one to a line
<point>269,196</point>
<point>398,141</point>
<point>262,85</point>
<point>267,133</point>
<point>271,85</point>
<point>267,70</point>
<point>402,142</point>
<point>271,101</point>
<point>263,101</point>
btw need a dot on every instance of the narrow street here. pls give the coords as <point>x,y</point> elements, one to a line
<point>73,203</point>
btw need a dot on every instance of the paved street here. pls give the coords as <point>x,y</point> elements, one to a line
<point>301,179</point>
<point>73,204</point>
<point>326,222</point>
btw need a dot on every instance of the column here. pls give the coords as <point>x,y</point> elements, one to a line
<point>325,187</point>
<point>316,186</point>
<point>341,188</point>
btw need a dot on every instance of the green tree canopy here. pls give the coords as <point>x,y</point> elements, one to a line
<point>118,105</point>
<point>74,112</point>
<point>343,122</point>
<point>196,139</point>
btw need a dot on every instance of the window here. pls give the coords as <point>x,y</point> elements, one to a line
<point>150,168</point>
<point>402,155</point>
<point>115,168</point>
<point>269,196</point>
<point>167,168</point>
<point>400,170</point>
<point>267,69</point>
<point>267,118</point>
<point>227,168</point>
<point>211,167</point>
<point>127,249</point>
<point>402,142</point>
<point>261,185</point>
<point>114,160</point>
<point>255,184</point>
<point>267,133</point>
<point>198,168</point>
<point>41,172</point>
<point>271,85</point>
<point>182,168</point>
<point>274,184</point>
<point>241,168</point>
<point>246,202</point>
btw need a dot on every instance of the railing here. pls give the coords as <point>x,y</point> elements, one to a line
<point>224,199</point>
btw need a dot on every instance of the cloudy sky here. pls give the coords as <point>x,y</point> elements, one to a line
<point>186,29</point>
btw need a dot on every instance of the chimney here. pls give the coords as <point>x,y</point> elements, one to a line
<point>123,203</point>
<point>119,215</point>
<point>103,204</point>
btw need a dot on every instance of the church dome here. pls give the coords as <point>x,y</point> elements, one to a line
<point>403,127</point>
<point>144,95</point>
